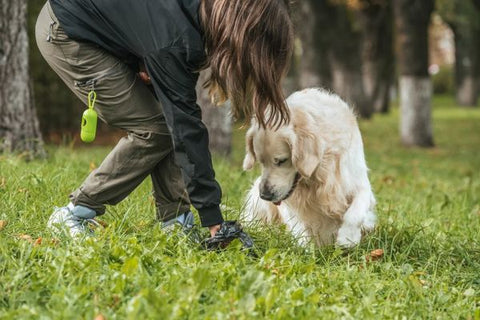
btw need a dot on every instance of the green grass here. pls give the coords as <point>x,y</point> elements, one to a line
<point>429,218</point>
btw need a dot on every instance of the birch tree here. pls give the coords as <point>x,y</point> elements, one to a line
<point>412,18</point>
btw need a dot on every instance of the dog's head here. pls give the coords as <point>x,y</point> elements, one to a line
<point>286,155</point>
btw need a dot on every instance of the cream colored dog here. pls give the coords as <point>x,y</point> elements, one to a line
<point>314,176</point>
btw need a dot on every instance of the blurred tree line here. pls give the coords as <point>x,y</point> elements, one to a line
<point>463,17</point>
<point>361,49</point>
<point>59,111</point>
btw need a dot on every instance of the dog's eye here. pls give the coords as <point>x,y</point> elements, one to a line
<point>279,162</point>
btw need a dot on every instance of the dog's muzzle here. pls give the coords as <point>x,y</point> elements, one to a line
<point>294,185</point>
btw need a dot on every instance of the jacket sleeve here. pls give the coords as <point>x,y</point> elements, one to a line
<point>173,76</point>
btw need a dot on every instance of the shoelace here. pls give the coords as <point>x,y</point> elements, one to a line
<point>79,222</point>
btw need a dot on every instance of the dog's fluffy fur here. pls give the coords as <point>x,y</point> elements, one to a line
<point>314,176</point>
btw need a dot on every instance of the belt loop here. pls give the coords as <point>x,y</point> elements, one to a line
<point>50,30</point>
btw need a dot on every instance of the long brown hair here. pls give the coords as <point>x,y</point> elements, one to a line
<point>249,44</point>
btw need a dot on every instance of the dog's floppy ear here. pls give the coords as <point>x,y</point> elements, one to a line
<point>249,159</point>
<point>306,155</point>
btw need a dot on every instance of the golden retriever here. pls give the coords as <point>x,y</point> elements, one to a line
<point>314,175</point>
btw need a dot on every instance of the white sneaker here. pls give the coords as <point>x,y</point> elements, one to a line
<point>63,219</point>
<point>186,222</point>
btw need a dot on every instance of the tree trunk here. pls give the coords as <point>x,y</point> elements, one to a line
<point>314,67</point>
<point>217,119</point>
<point>378,69</point>
<point>412,18</point>
<point>467,61</point>
<point>415,97</point>
<point>345,57</point>
<point>476,3</point>
<point>19,128</point>
<point>348,83</point>
<point>330,52</point>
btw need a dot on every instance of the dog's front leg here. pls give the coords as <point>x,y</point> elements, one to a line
<point>294,225</point>
<point>358,217</point>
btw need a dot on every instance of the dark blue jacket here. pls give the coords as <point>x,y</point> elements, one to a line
<point>165,35</point>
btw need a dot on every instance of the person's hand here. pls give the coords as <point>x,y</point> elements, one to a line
<point>223,234</point>
<point>214,229</point>
<point>142,73</point>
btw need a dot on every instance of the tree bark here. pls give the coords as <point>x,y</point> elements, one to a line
<point>218,119</point>
<point>467,61</point>
<point>19,127</point>
<point>378,60</point>
<point>412,18</point>
<point>330,52</point>
<point>314,66</point>
<point>476,3</point>
<point>345,57</point>
<point>415,97</point>
<point>348,83</point>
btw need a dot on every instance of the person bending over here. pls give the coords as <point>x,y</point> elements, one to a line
<point>98,45</point>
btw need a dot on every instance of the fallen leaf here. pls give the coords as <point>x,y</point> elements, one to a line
<point>3,224</point>
<point>388,179</point>
<point>38,241</point>
<point>3,183</point>
<point>115,301</point>
<point>374,255</point>
<point>102,223</point>
<point>93,166</point>
<point>25,237</point>
<point>99,317</point>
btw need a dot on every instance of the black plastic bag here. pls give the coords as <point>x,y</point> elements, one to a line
<point>229,230</point>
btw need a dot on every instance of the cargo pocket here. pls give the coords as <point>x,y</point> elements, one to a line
<point>57,36</point>
<point>92,82</point>
<point>111,86</point>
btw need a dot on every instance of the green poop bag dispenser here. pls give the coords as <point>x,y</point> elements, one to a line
<point>89,120</point>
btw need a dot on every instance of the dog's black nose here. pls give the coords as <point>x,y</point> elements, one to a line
<point>266,195</point>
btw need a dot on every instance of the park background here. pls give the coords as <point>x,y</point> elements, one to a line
<point>411,68</point>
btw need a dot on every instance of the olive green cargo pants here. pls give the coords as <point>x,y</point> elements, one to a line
<point>125,102</point>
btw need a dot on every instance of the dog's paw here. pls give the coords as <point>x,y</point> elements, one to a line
<point>348,236</point>
<point>369,222</point>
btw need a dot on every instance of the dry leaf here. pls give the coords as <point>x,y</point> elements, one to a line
<point>374,255</point>
<point>102,223</point>
<point>388,179</point>
<point>25,237</point>
<point>99,317</point>
<point>116,301</point>
<point>3,224</point>
<point>3,183</point>
<point>93,166</point>
<point>38,241</point>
